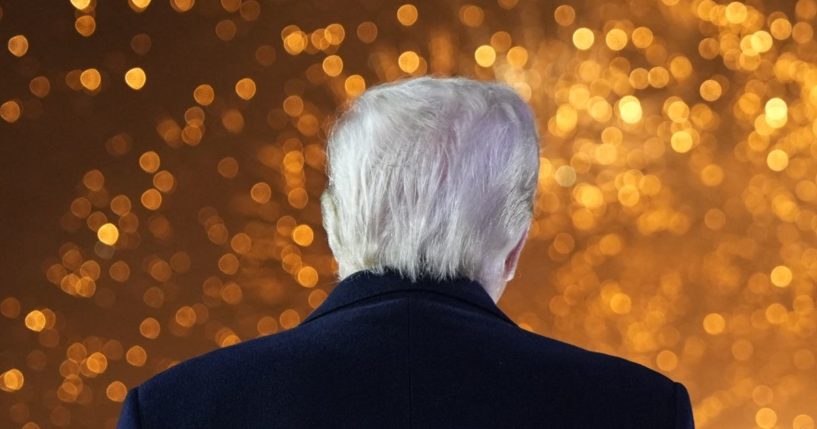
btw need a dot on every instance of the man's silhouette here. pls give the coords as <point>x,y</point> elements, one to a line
<point>429,202</point>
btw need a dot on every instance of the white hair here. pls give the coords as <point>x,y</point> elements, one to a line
<point>431,177</point>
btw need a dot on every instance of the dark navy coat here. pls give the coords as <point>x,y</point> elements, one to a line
<point>383,352</point>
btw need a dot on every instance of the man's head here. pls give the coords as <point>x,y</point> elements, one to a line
<point>432,176</point>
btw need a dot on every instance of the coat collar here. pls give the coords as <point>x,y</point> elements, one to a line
<point>366,284</point>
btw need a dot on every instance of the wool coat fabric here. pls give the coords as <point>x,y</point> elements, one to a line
<point>385,352</point>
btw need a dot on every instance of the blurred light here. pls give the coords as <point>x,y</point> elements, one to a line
<point>714,324</point>
<point>583,38</point>
<point>781,276</point>
<point>108,234</point>
<point>409,61</point>
<point>564,15</point>
<point>485,55</point>
<point>629,109</point>
<point>245,88</point>
<point>332,65</point>
<point>135,78</point>
<point>90,79</point>
<point>12,380</point>
<point>18,45</point>
<point>616,39</point>
<point>407,14</point>
<point>116,391</point>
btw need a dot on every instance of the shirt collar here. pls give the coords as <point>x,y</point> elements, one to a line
<point>366,284</point>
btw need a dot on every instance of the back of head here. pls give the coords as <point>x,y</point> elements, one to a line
<point>432,177</point>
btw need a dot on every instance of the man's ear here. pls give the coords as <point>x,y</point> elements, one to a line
<point>513,257</point>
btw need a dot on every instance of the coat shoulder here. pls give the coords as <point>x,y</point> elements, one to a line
<point>615,385</point>
<point>601,367</point>
<point>229,372</point>
<point>226,362</point>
